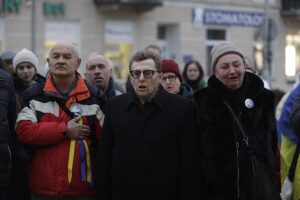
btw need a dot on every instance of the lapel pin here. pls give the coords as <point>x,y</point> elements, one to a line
<point>249,103</point>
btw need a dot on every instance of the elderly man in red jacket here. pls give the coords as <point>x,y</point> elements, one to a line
<point>62,119</point>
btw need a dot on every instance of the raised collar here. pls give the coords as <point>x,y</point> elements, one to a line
<point>80,91</point>
<point>252,86</point>
<point>158,99</point>
<point>110,90</point>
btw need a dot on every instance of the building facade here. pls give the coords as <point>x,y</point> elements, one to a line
<point>184,29</point>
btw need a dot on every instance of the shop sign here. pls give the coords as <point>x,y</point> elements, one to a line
<point>54,9</point>
<point>119,31</point>
<point>10,6</point>
<point>227,18</point>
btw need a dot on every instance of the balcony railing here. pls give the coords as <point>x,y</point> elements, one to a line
<point>290,8</point>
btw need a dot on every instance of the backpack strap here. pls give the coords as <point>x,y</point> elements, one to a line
<point>292,169</point>
<point>63,106</point>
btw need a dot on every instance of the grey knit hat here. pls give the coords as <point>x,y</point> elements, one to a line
<point>222,48</point>
<point>8,55</point>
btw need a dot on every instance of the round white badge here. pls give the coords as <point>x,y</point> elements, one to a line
<point>249,103</point>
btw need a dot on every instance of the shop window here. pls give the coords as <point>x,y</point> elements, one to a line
<point>61,31</point>
<point>292,56</point>
<point>215,34</point>
<point>168,40</point>
<point>258,53</point>
<point>161,32</point>
<point>119,38</point>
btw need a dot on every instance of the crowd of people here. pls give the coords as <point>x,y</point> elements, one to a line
<point>171,135</point>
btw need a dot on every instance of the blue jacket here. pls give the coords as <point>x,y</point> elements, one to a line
<point>283,124</point>
<point>186,90</point>
<point>111,90</point>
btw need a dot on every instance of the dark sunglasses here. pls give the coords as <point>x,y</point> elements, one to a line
<point>146,73</point>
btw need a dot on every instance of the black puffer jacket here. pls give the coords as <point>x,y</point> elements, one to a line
<point>217,133</point>
<point>7,121</point>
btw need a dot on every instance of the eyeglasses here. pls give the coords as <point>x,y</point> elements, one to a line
<point>171,78</point>
<point>146,73</point>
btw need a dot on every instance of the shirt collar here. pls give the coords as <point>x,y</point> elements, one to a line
<point>158,99</point>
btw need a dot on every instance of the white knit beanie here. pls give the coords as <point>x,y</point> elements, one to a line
<point>222,48</point>
<point>25,56</point>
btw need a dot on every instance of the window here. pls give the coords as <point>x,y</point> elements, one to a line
<point>119,38</point>
<point>161,32</point>
<point>168,40</point>
<point>292,55</point>
<point>212,36</point>
<point>215,34</point>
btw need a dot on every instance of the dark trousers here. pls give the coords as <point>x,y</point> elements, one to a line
<point>3,193</point>
<point>19,188</point>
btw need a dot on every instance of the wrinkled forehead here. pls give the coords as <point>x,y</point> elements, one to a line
<point>64,48</point>
<point>97,60</point>
<point>229,58</point>
<point>143,65</point>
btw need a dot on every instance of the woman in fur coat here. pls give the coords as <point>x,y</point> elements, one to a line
<point>226,163</point>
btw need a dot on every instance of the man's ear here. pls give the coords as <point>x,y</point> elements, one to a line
<point>78,63</point>
<point>131,79</point>
<point>160,75</point>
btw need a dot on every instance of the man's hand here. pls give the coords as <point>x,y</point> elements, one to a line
<point>76,130</point>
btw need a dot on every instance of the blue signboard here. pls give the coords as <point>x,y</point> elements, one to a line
<point>187,58</point>
<point>229,18</point>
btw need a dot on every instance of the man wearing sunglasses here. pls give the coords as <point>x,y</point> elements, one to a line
<point>171,79</point>
<point>148,149</point>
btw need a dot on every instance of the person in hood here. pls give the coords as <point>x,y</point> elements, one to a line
<point>171,79</point>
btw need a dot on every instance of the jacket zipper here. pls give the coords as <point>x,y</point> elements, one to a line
<point>10,155</point>
<point>237,145</point>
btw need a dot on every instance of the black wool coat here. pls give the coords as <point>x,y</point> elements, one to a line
<point>148,152</point>
<point>216,130</point>
<point>7,123</point>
